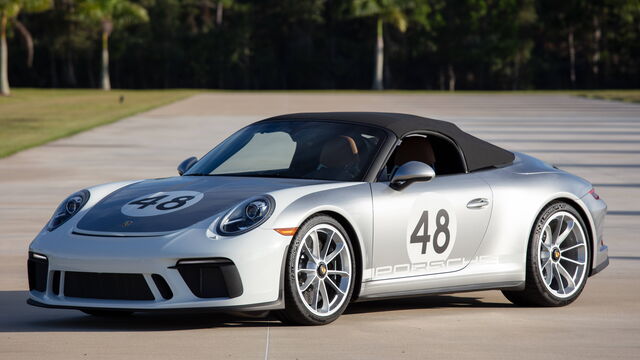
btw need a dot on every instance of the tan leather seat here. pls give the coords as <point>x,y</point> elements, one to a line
<point>415,149</point>
<point>339,152</point>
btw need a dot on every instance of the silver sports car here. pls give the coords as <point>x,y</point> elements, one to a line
<point>304,213</point>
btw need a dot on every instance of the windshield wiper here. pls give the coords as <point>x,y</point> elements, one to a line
<point>244,175</point>
<point>253,175</point>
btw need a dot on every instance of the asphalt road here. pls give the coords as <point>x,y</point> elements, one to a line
<point>594,139</point>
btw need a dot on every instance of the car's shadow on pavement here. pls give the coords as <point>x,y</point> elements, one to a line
<point>17,316</point>
<point>423,302</point>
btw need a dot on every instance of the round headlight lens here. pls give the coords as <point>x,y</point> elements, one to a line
<point>69,207</point>
<point>247,215</point>
<point>256,209</point>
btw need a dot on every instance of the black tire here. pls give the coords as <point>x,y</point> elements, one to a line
<point>295,311</point>
<point>108,313</point>
<point>535,292</point>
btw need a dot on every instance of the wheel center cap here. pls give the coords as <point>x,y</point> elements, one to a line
<point>555,254</point>
<point>322,270</point>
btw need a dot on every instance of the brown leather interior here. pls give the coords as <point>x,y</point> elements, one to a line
<point>415,149</point>
<point>339,152</point>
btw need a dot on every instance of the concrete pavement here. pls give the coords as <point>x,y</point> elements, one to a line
<point>594,139</point>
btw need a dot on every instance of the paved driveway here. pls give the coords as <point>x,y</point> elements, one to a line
<point>595,139</point>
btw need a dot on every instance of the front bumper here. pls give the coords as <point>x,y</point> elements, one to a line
<point>604,253</point>
<point>187,270</point>
<point>597,210</point>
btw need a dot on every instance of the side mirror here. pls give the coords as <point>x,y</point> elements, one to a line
<point>186,165</point>
<point>411,172</point>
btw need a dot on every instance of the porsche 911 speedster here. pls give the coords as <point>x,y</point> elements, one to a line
<point>304,213</point>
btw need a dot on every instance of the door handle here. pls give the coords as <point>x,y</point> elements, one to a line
<point>478,203</point>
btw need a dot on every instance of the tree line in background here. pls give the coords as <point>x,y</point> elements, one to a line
<point>320,44</point>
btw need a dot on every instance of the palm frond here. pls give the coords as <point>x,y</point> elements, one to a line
<point>365,8</point>
<point>36,5</point>
<point>127,13</point>
<point>397,17</point>
<point>10,8</point>
<point>119,12</point>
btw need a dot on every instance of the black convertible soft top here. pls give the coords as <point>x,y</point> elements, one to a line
<point>478,153</point>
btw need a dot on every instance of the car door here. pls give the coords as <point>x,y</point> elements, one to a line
<point>428,227</point>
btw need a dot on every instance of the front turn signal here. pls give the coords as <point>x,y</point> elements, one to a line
<point>287,231</point>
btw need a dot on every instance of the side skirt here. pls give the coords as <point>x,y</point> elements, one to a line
<point>511,285</point>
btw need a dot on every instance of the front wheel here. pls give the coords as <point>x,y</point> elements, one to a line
<point>320,273</point>
<point>557,259</point>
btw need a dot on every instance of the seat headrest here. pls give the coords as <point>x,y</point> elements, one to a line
<point>339,152</point>
<point>415,149</point>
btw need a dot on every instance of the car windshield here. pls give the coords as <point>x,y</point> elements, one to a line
<point>295,149</point>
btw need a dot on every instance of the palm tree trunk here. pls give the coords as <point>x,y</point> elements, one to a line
<point>452,78</point>
<point>572,59</point>
<point>379,58</point>
<point>516,71</point>
<point>4,59</point>
<point>28,40</point>
<point>104,73</point>
<point>71,71</point>
<point>597,35</point>
<point>219,12</point>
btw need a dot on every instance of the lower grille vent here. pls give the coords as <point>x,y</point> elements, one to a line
<point>106,286</point>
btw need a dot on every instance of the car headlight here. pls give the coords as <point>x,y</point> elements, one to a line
<point>69,207</point>
<point>247,215</point>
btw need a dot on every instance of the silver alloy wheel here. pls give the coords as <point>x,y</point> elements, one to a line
<point>562,259</point>
<point>323,270</point>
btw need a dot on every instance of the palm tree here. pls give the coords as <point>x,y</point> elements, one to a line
<point>199,13</point>
<point>384,11</point>
<point>110,14</point>
<point>9,10</point>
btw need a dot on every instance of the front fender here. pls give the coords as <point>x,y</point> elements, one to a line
<point>96,193</point>
<point>352,202</point>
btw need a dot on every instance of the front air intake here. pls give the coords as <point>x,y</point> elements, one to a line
<point>211,278</point>
<point>38,269</point>
<point>163,287</point>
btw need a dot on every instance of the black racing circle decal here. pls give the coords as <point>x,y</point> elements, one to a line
<point>161,203</point>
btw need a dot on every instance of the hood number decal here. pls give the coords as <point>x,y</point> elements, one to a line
<point>161,203</point>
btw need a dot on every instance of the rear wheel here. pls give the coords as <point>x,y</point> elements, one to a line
<point>557,259</point>
<point>320,273</point>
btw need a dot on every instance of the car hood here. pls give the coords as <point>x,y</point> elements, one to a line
<point>153,211</point>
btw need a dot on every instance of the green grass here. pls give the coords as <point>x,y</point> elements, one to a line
<point>616,95</point>
<point>31,117</point>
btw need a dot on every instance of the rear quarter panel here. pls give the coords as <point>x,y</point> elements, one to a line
<point>520,192</point>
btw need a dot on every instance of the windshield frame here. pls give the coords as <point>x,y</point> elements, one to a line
<point>387,141</point>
